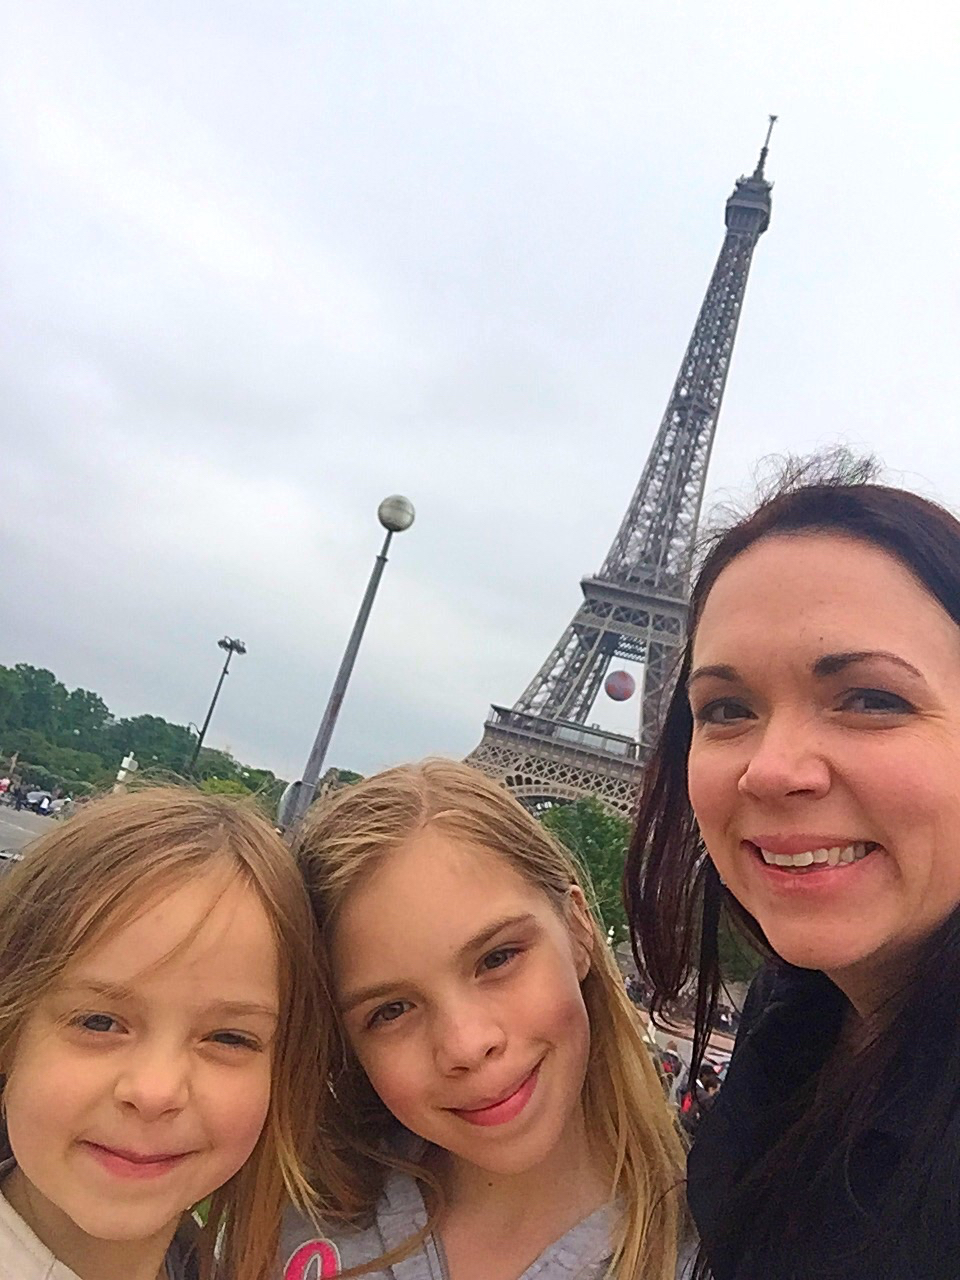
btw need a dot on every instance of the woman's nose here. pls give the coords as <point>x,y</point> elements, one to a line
<point>787,760</point>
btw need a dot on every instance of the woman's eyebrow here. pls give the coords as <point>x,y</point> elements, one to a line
<point>833,663</point>
<point>829,665</point>
<point>719,671</point>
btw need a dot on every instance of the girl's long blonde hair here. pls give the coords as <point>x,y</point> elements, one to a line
<point>101,869</point>
<point>626,1114</point>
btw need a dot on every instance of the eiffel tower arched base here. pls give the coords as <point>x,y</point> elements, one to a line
<point>547,762</point>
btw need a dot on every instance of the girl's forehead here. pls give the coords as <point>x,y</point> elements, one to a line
<point>176,917</point>
<point>436,875</point>
<point>429,910</point>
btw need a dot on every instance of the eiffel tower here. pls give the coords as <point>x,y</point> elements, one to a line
<point>635,608</point>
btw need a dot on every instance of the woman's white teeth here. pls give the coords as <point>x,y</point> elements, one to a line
<point>834,857</point>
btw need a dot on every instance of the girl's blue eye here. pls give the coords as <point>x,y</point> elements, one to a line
<point>387,1013</point>
<point>234,1040</point>
<point>95,1022</point>
<point>500,958</point>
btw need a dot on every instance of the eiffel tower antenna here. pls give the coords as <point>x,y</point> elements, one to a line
<point>758,172</point>
<point>635,608</point>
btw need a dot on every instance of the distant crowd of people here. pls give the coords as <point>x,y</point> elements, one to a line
<point>19,794</point>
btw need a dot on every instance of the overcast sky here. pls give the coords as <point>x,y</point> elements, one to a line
<point>265,263</point>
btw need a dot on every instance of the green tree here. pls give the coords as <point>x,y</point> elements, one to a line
<point>154,741</point>
<point>598,838</point>
<point>42,699</point>
<point>85,718</point>
<point>267,788</point>
<point>223,787</point>
<point>739,961</point>
<point>11,710</point>
<point>70,739</point>
<point>347,777</point>
<point>216,764</point>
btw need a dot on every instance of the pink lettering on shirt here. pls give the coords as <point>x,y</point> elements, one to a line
<point>314,1260</point>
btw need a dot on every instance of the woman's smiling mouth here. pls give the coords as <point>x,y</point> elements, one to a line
<point>833,855</point>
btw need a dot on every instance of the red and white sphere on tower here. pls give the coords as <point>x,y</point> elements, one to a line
<point>620,685</point>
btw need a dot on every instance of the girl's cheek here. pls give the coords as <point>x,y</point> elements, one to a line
<point>398,1081</point>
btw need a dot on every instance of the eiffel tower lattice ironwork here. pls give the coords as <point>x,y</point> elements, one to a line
<point>635,608</point>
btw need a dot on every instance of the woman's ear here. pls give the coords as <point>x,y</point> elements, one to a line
<point>582,931</point>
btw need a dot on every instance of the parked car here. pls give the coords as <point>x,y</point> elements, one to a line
<point>39,801</point>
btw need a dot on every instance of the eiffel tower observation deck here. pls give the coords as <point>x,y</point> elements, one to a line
<point>635,608</point>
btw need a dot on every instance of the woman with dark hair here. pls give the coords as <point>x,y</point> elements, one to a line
<point>806,792</point>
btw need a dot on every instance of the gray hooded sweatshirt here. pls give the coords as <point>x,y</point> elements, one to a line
<point>584,1253</point>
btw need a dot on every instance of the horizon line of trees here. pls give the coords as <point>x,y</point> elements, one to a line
<point>69,739</point>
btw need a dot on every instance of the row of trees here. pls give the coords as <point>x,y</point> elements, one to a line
<point>68,738</point>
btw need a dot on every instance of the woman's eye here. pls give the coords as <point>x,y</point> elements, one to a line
<point>234,1040</point>
<point>387,1013</point>
<point>876,701</point>
<point>499,958</point>
<point>722,711</point>
<point>95,1022</point>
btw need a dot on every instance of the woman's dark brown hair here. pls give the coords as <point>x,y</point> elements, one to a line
<point>676,902</point>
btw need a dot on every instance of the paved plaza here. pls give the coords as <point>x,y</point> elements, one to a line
<point>18,829</point>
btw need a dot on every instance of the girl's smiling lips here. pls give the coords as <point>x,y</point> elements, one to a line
<point>507,1107</point>
<point>134,1164</point>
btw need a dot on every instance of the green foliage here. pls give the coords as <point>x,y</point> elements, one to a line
<point>11,711</point>
<point>738,960</point>
<point>85,717</point>
<point>154,742</point>
<point>69,739</point>
<point>42,698</point>
<point>57,766</point>
<point>223,787</point>
<point>598,838</point>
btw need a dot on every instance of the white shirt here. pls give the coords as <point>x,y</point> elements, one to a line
<point>23,1256</point>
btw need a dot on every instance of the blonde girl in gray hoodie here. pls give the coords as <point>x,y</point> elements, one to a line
<point>159,1024</point>
<point>493,1112</point>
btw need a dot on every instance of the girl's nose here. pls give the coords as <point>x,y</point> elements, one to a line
<point>466,1038</point>
<point>153,1082</point>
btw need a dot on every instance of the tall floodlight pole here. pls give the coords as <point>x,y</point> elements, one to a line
<point>231,646</point>
<point>396,514</point>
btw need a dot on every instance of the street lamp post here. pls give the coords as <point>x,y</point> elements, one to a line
<point>231,647</point>
<point>396,514</point>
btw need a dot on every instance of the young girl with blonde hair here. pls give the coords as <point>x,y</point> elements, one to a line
<point>495,1112</point>
<point>159,1043</point>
